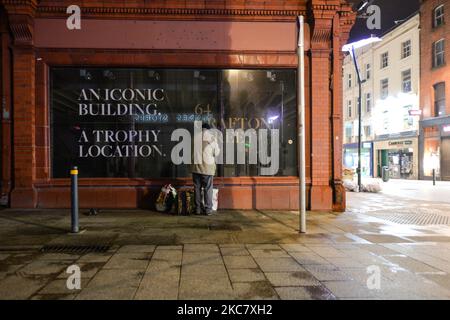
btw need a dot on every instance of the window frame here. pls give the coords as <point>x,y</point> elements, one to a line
<point>409,80</point>
<point>406,48</point>
<point>368,97</point>
<point>382,60</point>
<point>368,71</point>
<point>349,109</point>
<point>382,94</point>
<point>443,99</point>
<point>440,18</point>
<point>436,54</point>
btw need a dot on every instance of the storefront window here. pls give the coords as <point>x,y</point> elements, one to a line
<point>351,159</point>
<point>119,122</point>
<point>431,156</point>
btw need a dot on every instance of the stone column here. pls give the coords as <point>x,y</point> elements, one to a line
<point>342,23</point>
<point>321,100</point>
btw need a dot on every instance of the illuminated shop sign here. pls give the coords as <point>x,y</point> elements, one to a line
<point>400,143</point>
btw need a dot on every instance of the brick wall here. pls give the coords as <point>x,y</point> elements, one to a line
<point>329,23</point>
<point>429,75</point>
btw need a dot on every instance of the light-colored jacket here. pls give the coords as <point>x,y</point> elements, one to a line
<point>210,149</point>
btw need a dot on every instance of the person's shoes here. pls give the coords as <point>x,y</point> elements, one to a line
<point>209,213</point>
<point>197,213</point>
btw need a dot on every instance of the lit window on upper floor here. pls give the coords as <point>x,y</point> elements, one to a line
<point>406,49</point>
<point>406,81</point>
<point>384,88</point>
<point>384,60</point>
<point>368,71</point>
<point>368,102</point>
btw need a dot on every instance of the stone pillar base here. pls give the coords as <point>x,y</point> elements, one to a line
<point>339,197</point>
<point>321,198</point>
<point>24,198</point>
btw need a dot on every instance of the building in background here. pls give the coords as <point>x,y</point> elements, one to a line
<point>435,89</point>
<point>390,102</point>
<point>350,103</point>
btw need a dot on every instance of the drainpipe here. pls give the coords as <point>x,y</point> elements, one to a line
<point>301,123</point>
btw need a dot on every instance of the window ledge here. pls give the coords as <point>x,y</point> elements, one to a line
<point>439,67</point>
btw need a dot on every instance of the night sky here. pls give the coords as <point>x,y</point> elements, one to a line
<point>391,10</point>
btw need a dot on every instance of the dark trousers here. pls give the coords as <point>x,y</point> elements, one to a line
<point>205,182</point>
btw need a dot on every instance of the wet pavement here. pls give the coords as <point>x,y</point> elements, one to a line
<point>384,247</point>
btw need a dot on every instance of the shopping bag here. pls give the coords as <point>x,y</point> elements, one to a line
<point>215,199</point>
<point>166,199</point>
<point>186,201</point>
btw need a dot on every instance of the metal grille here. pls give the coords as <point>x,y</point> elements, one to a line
<point>74,248</point>
<point>421,220</point>
<point>413,218</point>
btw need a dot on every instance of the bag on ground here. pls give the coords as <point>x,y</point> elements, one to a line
<point>186,201</point>
<point>215,199</point>
<point>166,200</point>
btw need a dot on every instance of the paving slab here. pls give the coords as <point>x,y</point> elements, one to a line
<point>349,289</point>
<point>288,279</point>
<point>160,282</point>
<point>239,262</point>
<point>59,287</point>
<point>87,269</point>
<point>234,251</point>
<point>306,258</point>
<point>205,287</point>
<point>137,248</point>
<point>95,257</point>
<point>326,272</point>
<point>133,261</point>
<point>44,267</point>
<point>201,247</point>
<point>257,290</point>
<point>305,293</point>
<point>246,275</point>
<point>16,287</point>
<point>202,258</point>
<point>295,247</point>
<point>278,264</point>
<point>113,284</point>
<point>268,253</point>
<point>327,251</point>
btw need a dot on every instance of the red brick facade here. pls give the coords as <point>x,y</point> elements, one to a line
<point>435,122</point>
<point>26,165</point>
<point>429,76</point>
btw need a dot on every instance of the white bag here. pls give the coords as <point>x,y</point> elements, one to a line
<point>215,199</point>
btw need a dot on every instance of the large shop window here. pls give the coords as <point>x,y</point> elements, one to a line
<point>119,122</point>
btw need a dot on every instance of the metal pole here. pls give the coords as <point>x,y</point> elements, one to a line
<point>301,123</point>
<point>74,199</point>
<point>359,119</point>
<point>434,177</point>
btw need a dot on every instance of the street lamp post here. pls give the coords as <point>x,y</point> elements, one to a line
<point>358,75</point>
<point>351,49</point>
<point>301,124</point>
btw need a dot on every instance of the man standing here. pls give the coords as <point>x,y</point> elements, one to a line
<point>204,169</point>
